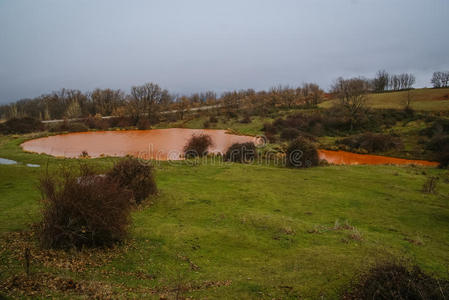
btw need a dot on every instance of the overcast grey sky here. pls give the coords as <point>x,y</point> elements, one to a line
<point>196,45</point>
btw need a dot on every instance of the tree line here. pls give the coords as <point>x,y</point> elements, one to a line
<point>149,101</point>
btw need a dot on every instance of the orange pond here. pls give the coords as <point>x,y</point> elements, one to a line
<point>164,144</point>
<point>159,144</point>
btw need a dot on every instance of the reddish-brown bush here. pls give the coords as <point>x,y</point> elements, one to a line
<point>83,209</point>
<point>396,281</point>
<point>135,176</point>
<point>197,145</point>
<point>23,125</point>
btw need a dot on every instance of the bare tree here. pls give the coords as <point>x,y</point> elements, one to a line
<point>352,94</point>
<point>381,81</point>
<point>440,79</point>
<point>147,99</point>
<point>106,101</point>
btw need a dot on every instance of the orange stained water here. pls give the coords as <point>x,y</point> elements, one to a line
<point>348,158</point>
<point>160,144</point>
<point>165,144</point>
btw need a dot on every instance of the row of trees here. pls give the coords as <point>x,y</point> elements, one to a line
<point>384,81</point>
<point>440,79</point>
<point>149,100</point>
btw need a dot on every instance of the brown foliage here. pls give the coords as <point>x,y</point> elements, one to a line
<point>397,281</point>
<point>135,176</point>
<point>82,209</point>
<point>197,146</point>
<point>301,153</point>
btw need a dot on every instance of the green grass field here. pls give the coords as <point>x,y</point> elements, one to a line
<point>241,231</point>
<point>422,99</point>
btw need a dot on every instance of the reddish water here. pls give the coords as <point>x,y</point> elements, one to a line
<point>160,144</point>
<point>348,158</point>
<point>164,144</point>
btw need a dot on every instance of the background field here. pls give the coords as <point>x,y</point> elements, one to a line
<point>422,99</point>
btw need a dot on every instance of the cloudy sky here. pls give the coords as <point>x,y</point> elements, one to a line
<point>197,45</point>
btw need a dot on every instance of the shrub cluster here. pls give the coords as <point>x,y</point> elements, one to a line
<point>21,125</point>
<point>371,142</point>
<point>301,153</point>
<point>143,124</point>
<point>134,176</point>
<point>83,210</point>
<point>68,126</point>
<point>241,152</point>
<point>336,121</point>
<point>197,146</point>
<point>396,281</point>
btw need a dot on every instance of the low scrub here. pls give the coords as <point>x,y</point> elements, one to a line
<point>289,134</point>
<point>77,127</point>
<point>97,123</point>
<point>397,281</point>
<point>301,153</point>
<point>439,143</point>
<point>371,142</point>
<point>242,152</point>
<point>197,146</point>
<point>135,176</point>
<point>83,209</point>
<point>143,124</point>
<point>21,125</point>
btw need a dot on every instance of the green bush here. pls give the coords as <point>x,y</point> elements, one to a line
<point>371,142</point>
<point>242,153</point>
<point>135,176</point>
<point>301,153</point>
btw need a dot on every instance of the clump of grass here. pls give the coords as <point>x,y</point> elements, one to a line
<point>393,280</point>
<point>430,186</point>
<point>135,176</point>
<point>197,146</point>
<point>82,209</point>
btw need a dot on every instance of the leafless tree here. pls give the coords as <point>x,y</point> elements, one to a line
<point>106,101</point>
<point>147,98</point>
<point>352,95</point>
<point>381,81</point>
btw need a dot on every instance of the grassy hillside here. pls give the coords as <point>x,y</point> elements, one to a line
<point>422,99</point>
<point>240,231</point>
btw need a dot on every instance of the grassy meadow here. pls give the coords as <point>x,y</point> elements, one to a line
<point>235,231</point>
<point>421,99</point>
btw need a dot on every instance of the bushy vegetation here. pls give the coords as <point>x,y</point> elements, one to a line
<point>301,153</point>
<point>241,152</point>
<point>135,176</point>
<point>197,146</point>
<point>371,142</point>
<point>289,134</point>
<point>83,209</point>
<point>21,125</point>
<point>397,281</point>
<point>335,121</point>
